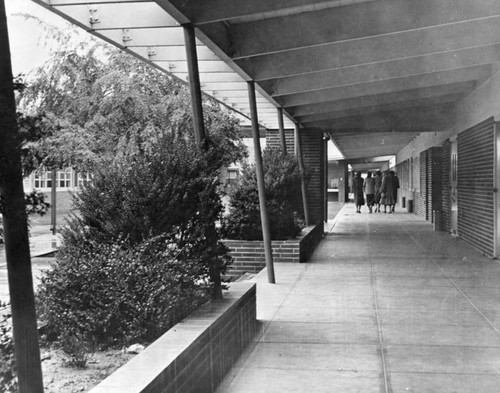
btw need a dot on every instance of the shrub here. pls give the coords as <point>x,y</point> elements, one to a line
<point>282,180</point>
<point>167,185</point>
<point>143,251</point>
<point>8,375</point>
<point>76,346</point>
<point>111,294</point>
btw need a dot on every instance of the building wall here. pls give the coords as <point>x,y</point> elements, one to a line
<point>337,177</point>
<point>273,139</point>
<point>434,181</point>
<point>344,183</point>
<point>421,196</point>
<point>429,153</point>
<point>476,166</point>
<point>314,161</point>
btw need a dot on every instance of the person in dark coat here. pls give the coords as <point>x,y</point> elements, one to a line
<point>387,192</point>
<point>395,186</point>
<point>357,189</point>
<point>378,186</point>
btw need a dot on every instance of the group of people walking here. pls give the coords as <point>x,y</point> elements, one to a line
<point>380,189</point>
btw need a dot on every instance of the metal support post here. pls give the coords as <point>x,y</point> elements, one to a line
<point>194,83</point>
<point>282,131</point>
<point>200,137</point>
<point>53,202</point>
<point>15,226</point>
<point>298,148</point>
<point>259,168</point>
<point>325,177</point>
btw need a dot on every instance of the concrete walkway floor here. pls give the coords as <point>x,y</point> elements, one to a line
<point>385,305</point>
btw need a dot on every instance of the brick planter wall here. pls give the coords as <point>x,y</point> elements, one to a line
<point>196,353</point>
<point>249,256</point>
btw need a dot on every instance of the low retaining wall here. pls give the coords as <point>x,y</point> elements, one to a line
<point>249,256</point>
<point>196,353</point>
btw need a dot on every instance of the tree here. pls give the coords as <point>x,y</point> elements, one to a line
<point>100,106</point>
<point>94,102</point>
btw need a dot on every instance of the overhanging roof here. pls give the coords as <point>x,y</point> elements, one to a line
<point>360,70</point>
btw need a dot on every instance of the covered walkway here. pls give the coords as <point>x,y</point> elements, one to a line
<point>385,305</point>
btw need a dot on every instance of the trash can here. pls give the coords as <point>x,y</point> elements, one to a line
<point>409,206</point>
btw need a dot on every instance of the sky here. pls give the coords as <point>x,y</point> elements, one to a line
<point>27,52</point>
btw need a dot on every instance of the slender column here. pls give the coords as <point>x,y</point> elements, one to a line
<point>15,226</point>
<point>194,83</point>
<point>325,177</point>
<point>199,133</point>
<point>53,202</point>
<point>298,148</point>
<point>282,131</point>
<point>259,168</point>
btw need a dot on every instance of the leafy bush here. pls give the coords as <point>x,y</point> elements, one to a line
<point>76,346</point>
<point>35,203</point>
<point>143,251</point>
<point>111,294</point>
<point>146,195</point>
<point>282,180</point>
<point>8,376</point>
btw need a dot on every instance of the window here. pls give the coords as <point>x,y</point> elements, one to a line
<point>83,178</point>
<point>43,179</point>
<point>232,175</point>
<point>64,178</point>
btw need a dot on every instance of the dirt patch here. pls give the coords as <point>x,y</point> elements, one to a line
<point>59,377</point>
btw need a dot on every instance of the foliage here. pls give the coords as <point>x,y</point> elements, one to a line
<point>76,346</point>
<point>8,376</point>
<point>283,197</point>
<point>143,250</point>
<point>113,294</point>
<point>141,253</point>
<point>143,195</point>
<point>91,100</point>
<point>35,204</point>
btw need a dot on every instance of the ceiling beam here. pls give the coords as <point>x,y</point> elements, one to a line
<point>361,134</point>
<point>432,118</point>
<point>381,99</point>
<point>203,11</point>
<point>383,70</point>
<point>204,66</point>
<point>375,49</point>
<point>130,15</point>
<point>359,152</point>
<point>353,22</point>
<point>327,108</point>
<point>371,160</point>
<point>161,36</point>
<point>366,110</point>
<point>87,2</point>
<point>478,73</point>
<point>173,53</point>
